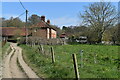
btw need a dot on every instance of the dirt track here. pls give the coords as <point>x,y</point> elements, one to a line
<point>14,65</point>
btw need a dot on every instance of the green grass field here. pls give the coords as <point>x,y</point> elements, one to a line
<point>105,67</point>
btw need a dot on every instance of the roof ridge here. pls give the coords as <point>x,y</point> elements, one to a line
<point>45,23</point>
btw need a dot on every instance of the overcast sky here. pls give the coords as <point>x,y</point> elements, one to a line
<point>60,13</point>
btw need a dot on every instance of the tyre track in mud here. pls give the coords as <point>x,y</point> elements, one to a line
<point>14,65</point>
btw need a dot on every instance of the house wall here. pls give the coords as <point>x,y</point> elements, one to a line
<point>48,33</point>
<point>44,33</point>
<point>39,33</point>
<point>53,33</point>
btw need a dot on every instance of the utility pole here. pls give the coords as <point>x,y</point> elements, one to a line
<point>26,27</point>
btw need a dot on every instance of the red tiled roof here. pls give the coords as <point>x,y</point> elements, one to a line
<point>62,35</point>
<point>12,31</point>
<point>42,24</point>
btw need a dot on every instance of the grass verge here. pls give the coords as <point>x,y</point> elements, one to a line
<point>105,66</point>
<point>5,48</point>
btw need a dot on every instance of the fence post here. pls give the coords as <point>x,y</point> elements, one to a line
<point>32,43</point>
<point>38,48</point>
<point>75,66</point>
<point>95,58</point>
<point>53,55</point>
<point>41,48</point>
<point>81,54</point>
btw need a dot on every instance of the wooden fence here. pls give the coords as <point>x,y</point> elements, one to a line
<point>52,54</point>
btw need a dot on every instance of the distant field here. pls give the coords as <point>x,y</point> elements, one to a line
<point>103,65</point>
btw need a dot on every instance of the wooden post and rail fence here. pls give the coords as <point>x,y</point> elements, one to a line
<point>40,48</point>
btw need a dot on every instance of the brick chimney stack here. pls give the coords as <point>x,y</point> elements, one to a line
<point>43,18</point>
<point>48,21</point>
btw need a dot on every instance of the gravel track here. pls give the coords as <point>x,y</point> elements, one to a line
<point>11,69</point>
<point>15,70</point>
<point>6,65</point>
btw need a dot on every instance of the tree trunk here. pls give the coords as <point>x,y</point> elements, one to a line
<point>100,38</point>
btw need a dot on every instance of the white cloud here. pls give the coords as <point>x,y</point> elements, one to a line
<point>60,0</point>
<point>65,21</point>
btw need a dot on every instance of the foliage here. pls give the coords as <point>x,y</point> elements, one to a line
<point>112,34</point>
<point>33,19</point>
<point>99,16</point>
<point>12,22</point>
<point>74,30</point>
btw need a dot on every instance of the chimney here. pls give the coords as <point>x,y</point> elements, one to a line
<point>43,18</point>
<point>48,21</point>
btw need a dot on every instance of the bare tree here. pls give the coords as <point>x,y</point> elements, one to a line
<point>99,16</point>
